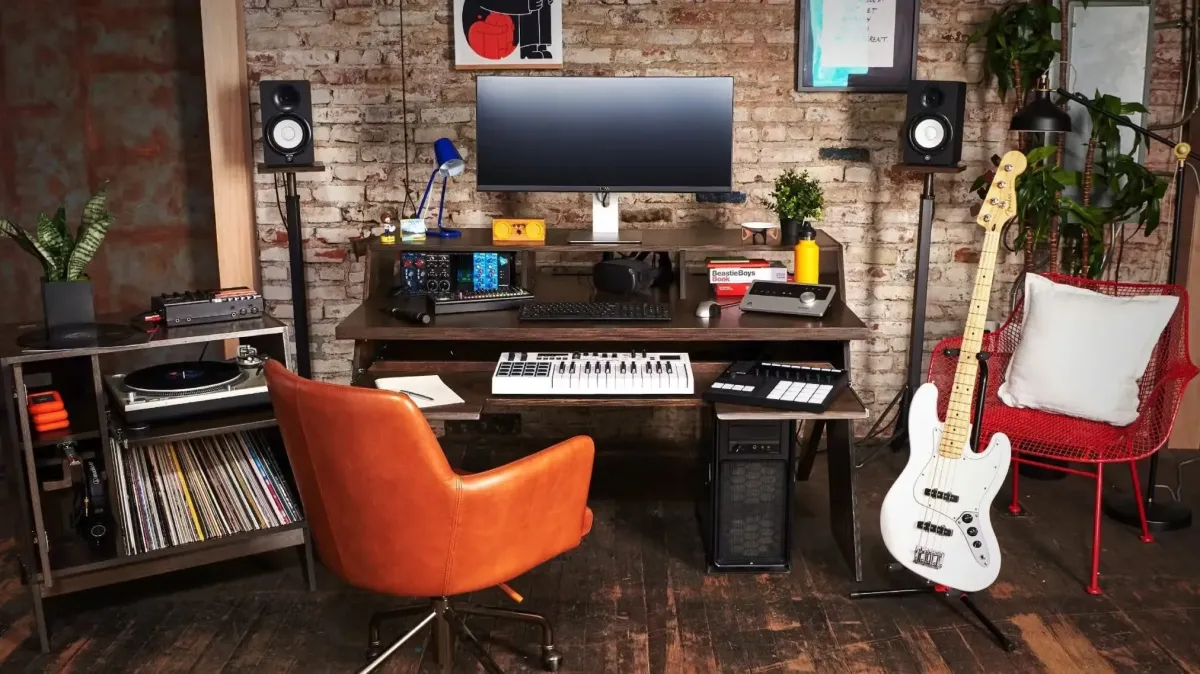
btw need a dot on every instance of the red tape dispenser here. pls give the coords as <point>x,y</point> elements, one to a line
<point>47,411</point>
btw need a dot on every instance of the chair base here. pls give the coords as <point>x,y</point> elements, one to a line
<point>1160,516</point>
<point>448,623</point>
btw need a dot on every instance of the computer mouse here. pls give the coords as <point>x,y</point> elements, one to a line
<point>708,309</point>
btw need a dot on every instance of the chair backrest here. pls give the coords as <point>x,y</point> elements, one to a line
<point>1170,353</point>
<point>377,490</point>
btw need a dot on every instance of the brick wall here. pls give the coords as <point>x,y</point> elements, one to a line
<point>350,50</point>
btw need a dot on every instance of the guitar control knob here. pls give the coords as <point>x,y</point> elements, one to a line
<point>967,518</point>
<point>972,531</point>
<point>977,544</point>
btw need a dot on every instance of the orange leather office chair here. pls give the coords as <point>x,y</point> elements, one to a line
<point>388,514</point>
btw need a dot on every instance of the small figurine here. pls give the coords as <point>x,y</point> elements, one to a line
<point>389,231</point>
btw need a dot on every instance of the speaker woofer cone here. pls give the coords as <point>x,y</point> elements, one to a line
<point>288,135</point>
<point>930,134</point>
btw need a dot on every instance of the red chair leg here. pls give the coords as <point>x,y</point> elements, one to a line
<point>1094,586</point>
<point>1014,508</point>
<point>1137,495</point>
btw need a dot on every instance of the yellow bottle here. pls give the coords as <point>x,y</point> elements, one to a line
<point>807,260</point>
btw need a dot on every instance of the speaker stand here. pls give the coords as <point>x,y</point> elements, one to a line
<point>916,333</point>
<point>296,259</point>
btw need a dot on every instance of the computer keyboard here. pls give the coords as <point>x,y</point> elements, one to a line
<point>595,311</point>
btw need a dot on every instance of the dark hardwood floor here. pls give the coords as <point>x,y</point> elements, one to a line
<point>635,598</point>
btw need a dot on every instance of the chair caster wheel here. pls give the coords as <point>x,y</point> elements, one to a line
<point>551,659</point>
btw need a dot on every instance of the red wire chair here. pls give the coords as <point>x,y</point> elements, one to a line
<point>1035,434</point>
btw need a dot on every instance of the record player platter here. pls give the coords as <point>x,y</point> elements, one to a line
<point>187,377</point>
<point>176,390</point>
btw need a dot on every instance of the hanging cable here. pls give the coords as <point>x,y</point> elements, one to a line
<point>409,206</point>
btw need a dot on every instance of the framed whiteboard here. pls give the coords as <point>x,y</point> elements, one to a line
<point>1110,51</point>
<point>856,45</point>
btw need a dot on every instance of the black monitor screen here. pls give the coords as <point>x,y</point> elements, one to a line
<point>624,134</point>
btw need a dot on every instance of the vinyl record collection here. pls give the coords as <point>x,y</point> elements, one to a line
<point>199,489</point>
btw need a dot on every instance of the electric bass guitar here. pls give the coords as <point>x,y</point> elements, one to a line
<point>936,517</point>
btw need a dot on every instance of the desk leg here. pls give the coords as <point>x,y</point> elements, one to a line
<point>804,463</point>
<point>843,499</point>
<point>682,274</point>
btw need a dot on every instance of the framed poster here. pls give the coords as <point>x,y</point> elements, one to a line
<point>499,34</point>
<point>856,45</point>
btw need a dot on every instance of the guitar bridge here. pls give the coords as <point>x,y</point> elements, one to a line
<point>927,557</point>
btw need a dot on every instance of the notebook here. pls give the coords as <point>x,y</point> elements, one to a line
<point>426,391</point>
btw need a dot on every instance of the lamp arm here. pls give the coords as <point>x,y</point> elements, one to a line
<point>1087,103</point>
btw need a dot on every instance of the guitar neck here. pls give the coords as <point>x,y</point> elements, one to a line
<point>956,431</point>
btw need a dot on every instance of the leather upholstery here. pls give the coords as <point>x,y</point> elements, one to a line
<point>387,512</point>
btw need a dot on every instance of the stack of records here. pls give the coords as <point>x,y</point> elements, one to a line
<point>200,489</point>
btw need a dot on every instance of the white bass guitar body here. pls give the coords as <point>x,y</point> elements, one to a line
<point>936,518</point>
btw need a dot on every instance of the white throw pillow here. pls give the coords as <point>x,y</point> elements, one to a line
<point>1082,352</point>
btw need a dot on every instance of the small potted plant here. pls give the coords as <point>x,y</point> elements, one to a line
<point>796,199</point>
<point>66,289</point>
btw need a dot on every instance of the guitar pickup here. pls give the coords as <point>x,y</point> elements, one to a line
<point>934,529</point>
<point>926,557</point>
<point>941,495</point>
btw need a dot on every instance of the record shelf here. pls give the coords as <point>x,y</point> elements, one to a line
<point>55,559</point>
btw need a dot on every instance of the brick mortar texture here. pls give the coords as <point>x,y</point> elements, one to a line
<point>350,51</point>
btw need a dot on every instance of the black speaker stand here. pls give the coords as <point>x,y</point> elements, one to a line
<point>916,334</point>
<point>296,259</point>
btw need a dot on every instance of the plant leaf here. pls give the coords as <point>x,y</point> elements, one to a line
<point>94,225</point>
<point>1040,154</point>
<point>50,238</point>
<point>29,245</point>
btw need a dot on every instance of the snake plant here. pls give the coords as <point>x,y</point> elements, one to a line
<point>62,256</point>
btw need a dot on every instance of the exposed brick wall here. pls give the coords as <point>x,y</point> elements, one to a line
<point>349,49</point>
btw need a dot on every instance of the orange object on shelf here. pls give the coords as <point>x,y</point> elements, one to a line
<point>51,426</point>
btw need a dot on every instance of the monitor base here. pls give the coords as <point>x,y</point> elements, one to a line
<point>604,238</point>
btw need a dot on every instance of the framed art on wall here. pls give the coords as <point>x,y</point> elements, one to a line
<point>500,34</point>
<point>856,45</point>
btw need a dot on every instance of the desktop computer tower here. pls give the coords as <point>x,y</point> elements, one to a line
<point>746,511</point>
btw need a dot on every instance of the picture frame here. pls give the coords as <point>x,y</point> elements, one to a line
<point>840,48</point>
<point>507,34</point>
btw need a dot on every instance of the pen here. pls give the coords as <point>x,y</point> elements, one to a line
<point>415,395</point>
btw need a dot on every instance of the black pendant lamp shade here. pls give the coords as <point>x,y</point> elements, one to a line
<point>1041,116</point>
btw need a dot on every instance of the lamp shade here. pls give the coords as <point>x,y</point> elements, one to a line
<point>449,161</point>
<point>1041,115</point>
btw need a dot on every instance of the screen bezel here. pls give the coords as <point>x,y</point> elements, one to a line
<point>624,189</point>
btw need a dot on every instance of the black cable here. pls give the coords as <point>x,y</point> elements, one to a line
<point>409,200</point>
<point>203,351</point>
<point>278,203</point>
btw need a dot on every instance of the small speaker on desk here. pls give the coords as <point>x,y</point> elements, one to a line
<point>286,123</point>
<point>747,517</point>
<point>933,124</point>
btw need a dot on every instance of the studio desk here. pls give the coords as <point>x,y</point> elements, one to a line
<point>464,348</point>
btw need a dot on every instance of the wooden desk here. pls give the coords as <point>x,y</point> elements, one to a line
<point>464,348</point>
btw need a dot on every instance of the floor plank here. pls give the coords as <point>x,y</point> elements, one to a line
<point>636,597</point>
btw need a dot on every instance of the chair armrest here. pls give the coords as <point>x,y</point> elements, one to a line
<point>512,518</point>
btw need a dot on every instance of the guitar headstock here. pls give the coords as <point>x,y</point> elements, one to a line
<point>1000,202</point>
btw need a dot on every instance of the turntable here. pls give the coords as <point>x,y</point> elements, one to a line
<point>176,390</point>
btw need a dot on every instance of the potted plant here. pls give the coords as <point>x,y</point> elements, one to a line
<point>1020,46</point>
<point>66,289</point>
<point>796,199</point>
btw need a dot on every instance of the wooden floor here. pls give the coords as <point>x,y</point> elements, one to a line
<point>635,598</point>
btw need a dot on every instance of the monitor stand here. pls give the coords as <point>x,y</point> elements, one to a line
<point>606,221</point>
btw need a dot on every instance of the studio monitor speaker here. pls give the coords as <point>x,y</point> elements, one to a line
<point>286,123</point>
<point>933,124</point>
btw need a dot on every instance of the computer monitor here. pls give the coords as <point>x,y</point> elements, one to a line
<point>604,135</point>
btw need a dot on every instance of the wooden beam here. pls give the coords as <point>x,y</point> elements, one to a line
<point>230,141</point>
<point>1186,433</point>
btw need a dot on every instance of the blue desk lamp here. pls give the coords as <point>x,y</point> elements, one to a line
<point>449,163</point>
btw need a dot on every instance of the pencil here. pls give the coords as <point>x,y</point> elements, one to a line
<point>415,395</point>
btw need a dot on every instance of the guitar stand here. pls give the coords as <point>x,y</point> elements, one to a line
<point>933,588</point>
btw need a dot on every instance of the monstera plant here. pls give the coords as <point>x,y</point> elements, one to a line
<point>66,289</point>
